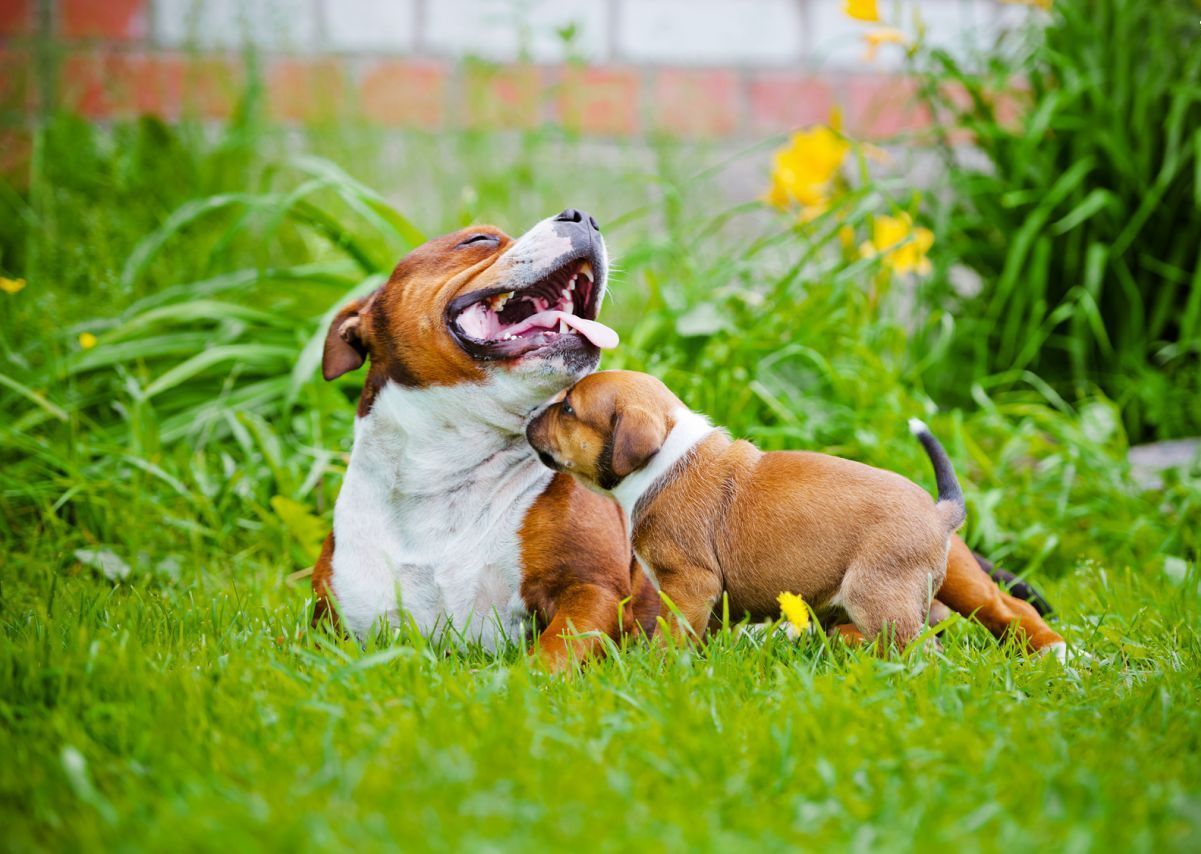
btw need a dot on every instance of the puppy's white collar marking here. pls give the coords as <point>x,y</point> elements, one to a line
<point>689,429</point>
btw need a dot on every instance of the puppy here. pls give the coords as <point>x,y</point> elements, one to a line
<point>709,515</point>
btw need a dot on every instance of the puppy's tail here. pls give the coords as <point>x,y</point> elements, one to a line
<point>950,495</point>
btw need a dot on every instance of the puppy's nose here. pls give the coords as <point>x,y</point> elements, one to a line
<point>574,215</point>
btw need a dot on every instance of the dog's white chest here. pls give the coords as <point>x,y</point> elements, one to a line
<point>429,520</point>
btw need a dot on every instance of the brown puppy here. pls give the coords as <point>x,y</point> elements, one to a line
<point>710,515</point>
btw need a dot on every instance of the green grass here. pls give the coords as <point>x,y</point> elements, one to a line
<point>211,717</point>
<point>188,705</point>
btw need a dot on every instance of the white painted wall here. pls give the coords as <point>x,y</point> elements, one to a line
<point>815,34</point>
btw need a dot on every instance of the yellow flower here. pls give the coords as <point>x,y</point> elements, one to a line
<point>862,10</point>
<point>879,36</point>
<point>904,247</point>
<point>803,171</point>
<point>12,286</point>
<point>1042,4</point>
<point>795,610</point>
<point>87,340</point>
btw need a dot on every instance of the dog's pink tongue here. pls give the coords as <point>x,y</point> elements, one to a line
<point>599,334</point>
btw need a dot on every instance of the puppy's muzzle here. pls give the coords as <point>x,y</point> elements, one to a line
<point>532,431</point>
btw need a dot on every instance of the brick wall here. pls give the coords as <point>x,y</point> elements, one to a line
<point>692,68</point>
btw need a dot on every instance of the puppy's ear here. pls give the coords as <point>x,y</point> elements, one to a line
<point>637,436</point>
<point>345,347</point>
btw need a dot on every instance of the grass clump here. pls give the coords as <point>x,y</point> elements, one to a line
<point>1080,220</point>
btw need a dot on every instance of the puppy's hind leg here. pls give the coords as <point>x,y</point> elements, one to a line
<point>888,602</point>
<point>971,592</point>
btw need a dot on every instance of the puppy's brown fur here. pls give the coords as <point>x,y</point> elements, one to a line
<point>725,517</point>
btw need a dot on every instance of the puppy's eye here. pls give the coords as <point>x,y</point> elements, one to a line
<point>567,410</point>
<point>480,238</point>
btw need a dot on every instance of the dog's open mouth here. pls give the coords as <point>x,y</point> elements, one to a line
<point>505,324</point>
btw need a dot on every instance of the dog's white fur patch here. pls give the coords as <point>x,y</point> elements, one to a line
<point>438,485</point>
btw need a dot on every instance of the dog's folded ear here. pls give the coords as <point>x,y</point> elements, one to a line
<point>637,436</point>
<point>345,344</point>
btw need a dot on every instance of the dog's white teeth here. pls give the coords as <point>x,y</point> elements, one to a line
<point>497,302</point>
<point>563,327</point>
<point>586,269</point>
<point>571,284</point>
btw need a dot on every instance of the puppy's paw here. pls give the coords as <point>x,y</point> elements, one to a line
<point>1065,654</point>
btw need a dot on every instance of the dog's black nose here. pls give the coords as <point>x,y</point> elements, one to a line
<point>573,215</point>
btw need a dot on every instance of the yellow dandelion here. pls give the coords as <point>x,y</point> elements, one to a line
<point>881,36</point>
<point>902,246</point>
<point>87,340</point>
<point>795,611</point>
<point>12,286</point>
<point>862,10</point>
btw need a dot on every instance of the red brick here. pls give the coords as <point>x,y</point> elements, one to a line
<point>212,85</point>
<point>407,94</point>
<point>113,20</point>
<point>16,90</point>
<point>16,17</point>
<point>506,97</point>
<point>302,90</point>
<point>696,103</point>
<point>16,154</point>
<point>107,85</point>
<point>601,101</point>
<point>782,101</point>
<point>104,84</point>
<point>1011,105</point>
<point>879,106</point>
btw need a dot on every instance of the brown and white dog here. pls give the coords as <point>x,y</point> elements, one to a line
<point>711,516</point>
<point>446,511</point>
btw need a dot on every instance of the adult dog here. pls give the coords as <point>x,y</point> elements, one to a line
<point>446,512</point>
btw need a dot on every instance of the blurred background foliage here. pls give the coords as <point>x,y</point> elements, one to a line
<point>158,371</point>
<point>1081,219</point>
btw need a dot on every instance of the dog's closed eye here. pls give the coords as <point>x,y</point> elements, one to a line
<point>480,238</point>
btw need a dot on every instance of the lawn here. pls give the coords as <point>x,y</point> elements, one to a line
<point>170,458</point>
